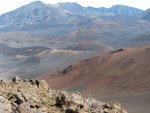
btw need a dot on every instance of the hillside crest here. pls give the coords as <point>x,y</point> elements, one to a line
<point>33,96</point>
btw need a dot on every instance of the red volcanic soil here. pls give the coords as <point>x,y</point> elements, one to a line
<point>116,72</point>
<point>122,75</point>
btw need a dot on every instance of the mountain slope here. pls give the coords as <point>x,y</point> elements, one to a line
<point>32,13</point>
<point>125,10</point>
<point>33,96</point>
<point>90,45</point>
<point>146,15</point>
<point>38,12</point>
<point>26,51</point>
<point>121,75</point>
<point>125,70</point>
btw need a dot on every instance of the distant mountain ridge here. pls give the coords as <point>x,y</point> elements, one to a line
<point>125,10</point>
<point>38,12</point>
<point>146,15</point>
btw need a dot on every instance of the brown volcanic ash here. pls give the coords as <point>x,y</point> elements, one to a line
<point>118,71</point>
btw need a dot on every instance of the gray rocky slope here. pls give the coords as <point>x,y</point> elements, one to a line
<point>146,15</point>
<point>32,96</point>
<point>38,12</point>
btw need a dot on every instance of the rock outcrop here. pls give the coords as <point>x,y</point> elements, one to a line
<point>33,96</point>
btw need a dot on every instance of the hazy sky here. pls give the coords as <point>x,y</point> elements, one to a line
<point>8,5</point>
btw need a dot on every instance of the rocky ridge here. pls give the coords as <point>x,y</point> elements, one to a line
<point>33,96</point>
<point>38,12</point>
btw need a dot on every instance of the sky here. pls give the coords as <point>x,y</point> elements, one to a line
<point>8,5</point>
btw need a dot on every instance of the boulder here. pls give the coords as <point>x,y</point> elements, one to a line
<point>28,108</point>
<point>43,84</point>
<point>24,108</point>
<point>16,79</point>
<point>71,102</point>
<point>16,98</point>
<point>5,106</point>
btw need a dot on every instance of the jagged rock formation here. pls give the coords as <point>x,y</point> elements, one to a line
<point>33,96</point>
